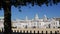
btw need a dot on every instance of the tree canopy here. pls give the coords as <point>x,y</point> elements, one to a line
<point>17,3</point>
<point>6,5</point>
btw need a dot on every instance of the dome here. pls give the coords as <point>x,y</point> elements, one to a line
<point>36,16</point>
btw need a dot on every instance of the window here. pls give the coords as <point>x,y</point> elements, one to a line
<point>23,25</point>
<point>59,22</point>
<point>14,30</point>
<point>53,27</point>
<point>34,23</point>
<point>0,19</point>
<point>34,26</point>
<point>56,23</point>
<point>40,23</point>
<point>49,25</point>
<point>26,26</point>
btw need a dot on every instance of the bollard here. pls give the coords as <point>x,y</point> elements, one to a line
<point>20,31</point>
<point>15,30</point>
<point>46,32</point>
<point>50,32</point>
<point>24,31</point>
<point>34,31</point>
<point>38,32</point>
<point>55,32</point>
<point>42,32</point>
<point>0,30</point>
<point>58,32</point>
<point>30,32</point>
<point>27,31</point>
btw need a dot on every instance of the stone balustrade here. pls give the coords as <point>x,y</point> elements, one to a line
<point>36,30</point>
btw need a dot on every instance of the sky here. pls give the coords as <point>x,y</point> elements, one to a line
<point>30,12</point>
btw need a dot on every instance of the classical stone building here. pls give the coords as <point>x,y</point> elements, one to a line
<point>36,22</point>
<point>1,22</point>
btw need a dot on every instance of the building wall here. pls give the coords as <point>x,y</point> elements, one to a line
<point>1,23</point>
<point>38,24</point>
<point>35,23</point>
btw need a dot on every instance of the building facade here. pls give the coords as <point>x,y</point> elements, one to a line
<point>37,22</point>
<point>34,23</point>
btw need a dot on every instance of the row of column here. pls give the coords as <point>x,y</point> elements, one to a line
<point>32,31</point>
<point>27,31</point>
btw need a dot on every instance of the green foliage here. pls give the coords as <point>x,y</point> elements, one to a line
<point>0,5</point>
<point>20,3</point>
<point>16,3</point>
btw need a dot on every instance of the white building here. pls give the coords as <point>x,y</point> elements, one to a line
<point>34,23</point>
<point>1,22</point>
<point>37,23</point>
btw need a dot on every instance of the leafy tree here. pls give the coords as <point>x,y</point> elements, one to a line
<point>6,5</point>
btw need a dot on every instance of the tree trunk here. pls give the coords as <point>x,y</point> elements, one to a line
<point>7,18</point>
